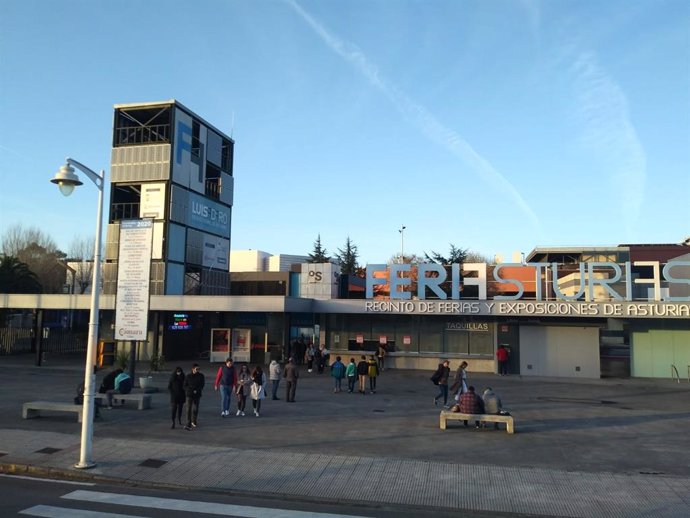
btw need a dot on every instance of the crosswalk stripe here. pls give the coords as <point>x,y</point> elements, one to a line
<point>173,504</point>
<point>48,511</point>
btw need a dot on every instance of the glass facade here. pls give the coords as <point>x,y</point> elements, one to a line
<point>412,334</point>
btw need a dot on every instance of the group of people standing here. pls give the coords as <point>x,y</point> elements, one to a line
<point>365,369</point>
<point>229,381</point>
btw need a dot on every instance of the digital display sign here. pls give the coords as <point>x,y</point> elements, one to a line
<point>180,322</point>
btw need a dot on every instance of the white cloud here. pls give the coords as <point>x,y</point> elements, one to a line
<point>424,120</point>
<point>607,130</point>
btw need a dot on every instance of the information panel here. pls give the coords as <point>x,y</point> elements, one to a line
<point>133,274</point>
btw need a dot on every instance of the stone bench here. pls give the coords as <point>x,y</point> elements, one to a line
<point>492,418</point>
<point>34,408</point>
<point>143,400</point>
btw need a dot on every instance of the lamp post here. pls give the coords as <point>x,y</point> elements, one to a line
<point>67,180</point>
<point>402,243</point>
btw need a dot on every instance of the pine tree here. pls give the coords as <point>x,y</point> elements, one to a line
<point>319,253</point>
<point>348,258</point>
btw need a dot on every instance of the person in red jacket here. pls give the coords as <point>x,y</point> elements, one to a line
<point>502,357</point>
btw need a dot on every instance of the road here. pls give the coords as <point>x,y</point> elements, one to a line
<point>51,498</point>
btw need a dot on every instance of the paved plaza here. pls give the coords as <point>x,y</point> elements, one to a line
<point>581,448</point>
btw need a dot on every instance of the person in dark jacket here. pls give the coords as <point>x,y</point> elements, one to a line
<point>291,375</point>
<point>362,370</point>
<point>193,385</point>
<point>108,382</point>
<point>177,395</point>
<point>444,374</point>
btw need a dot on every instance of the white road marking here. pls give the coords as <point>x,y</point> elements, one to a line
<point>36,479</point>
<point>48,511</point>
<point>173,504</point>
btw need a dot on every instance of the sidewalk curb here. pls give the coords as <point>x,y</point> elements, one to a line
<point>83,476</point>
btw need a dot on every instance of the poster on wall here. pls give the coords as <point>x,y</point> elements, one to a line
<point>241,345</point>
<point>133,279</point>
<point>383,340</point>
<point>220,344</point>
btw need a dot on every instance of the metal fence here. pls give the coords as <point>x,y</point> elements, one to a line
<point>54,341</point>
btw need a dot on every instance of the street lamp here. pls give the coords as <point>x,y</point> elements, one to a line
<point>66,179</point>
<point>402,243</point>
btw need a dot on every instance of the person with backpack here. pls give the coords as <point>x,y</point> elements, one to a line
<point>338,373</point>
<point>122,385</point>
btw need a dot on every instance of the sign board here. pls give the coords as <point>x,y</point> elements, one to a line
<point>383,340</point>
<point>241,345</point>
<point>360,339</point>
<point>407,340</point>
<point>220,344</point>
<point>152,201</point>
<point>216,252</point>
<point>133,279</point>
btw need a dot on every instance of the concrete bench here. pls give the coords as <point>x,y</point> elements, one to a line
<point>34,408</point>
<point>492,418</point>
<point>143,400</point>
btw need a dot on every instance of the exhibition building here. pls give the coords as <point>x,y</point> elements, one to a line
<point>620,311</point>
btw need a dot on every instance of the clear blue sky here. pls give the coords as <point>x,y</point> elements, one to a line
<point>498,126</point>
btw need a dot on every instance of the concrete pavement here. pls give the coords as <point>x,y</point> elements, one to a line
<point>581,448</point>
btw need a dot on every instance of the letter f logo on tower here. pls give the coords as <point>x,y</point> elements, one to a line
<point>182,143</point>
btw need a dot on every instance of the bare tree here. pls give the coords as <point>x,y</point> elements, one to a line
<point>81,252</point>
<point>39,252</point>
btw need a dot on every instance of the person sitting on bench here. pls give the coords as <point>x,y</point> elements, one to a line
<point>123,385</point>
<point>492,403</point>
<point>471,403</point>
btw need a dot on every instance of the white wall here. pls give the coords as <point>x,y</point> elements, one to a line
<point>559,351</point>
<point>247,260</point>
<point>284,262</point>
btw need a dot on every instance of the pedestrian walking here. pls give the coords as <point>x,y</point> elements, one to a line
<point>338,373</point>
<point>193,386</point>
<point>257,389</point>
<point>322,359</point>
<point>311,352</point>
<point>274,373</point>
<point>459,386</point>
<point>177,394</point>
<point>351,373</point>
<point>226,380</point>
<point>291,375</point>
<point>244,379</point>
<point>443,373</point>
<point>362,369</point>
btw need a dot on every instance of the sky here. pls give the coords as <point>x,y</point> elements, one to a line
<point>498,126</point>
